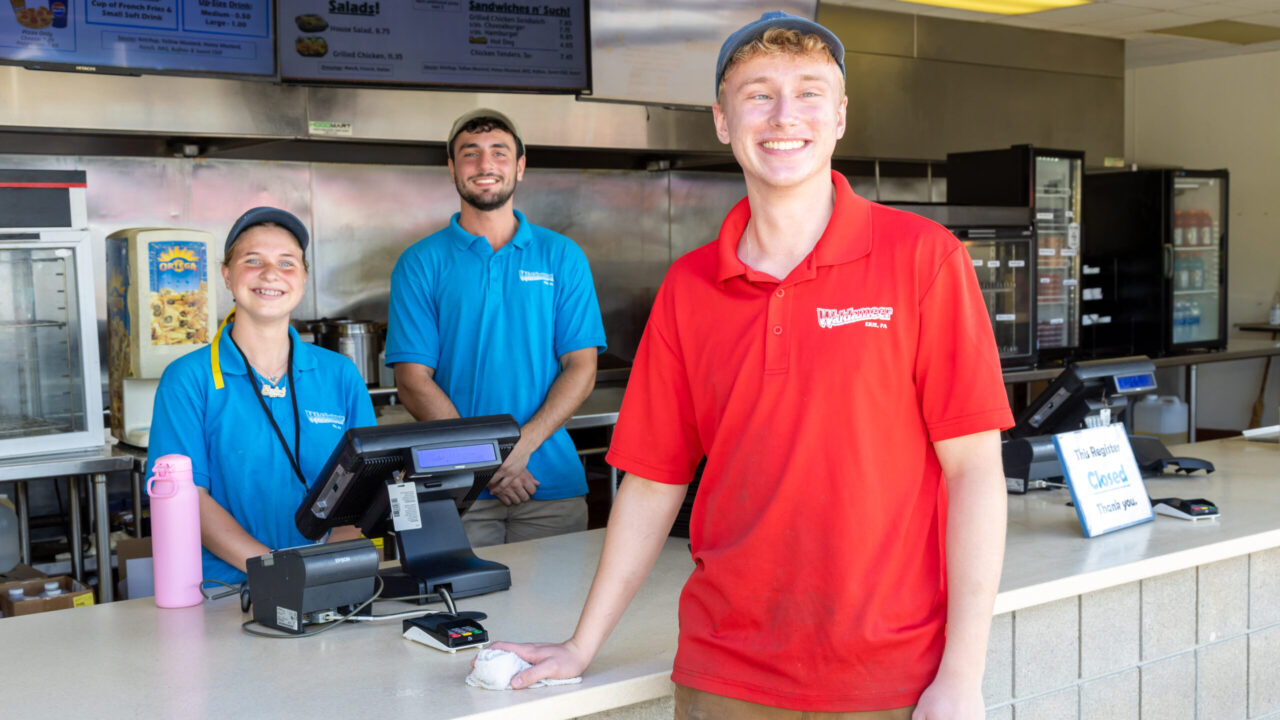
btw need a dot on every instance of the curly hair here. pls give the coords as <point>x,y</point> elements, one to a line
<point>777,41</point>
<point>484,125</point>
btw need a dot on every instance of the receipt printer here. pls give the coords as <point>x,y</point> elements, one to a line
<point>292,587</point>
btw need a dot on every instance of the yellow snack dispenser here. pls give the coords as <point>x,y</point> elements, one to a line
<point>160,306</point>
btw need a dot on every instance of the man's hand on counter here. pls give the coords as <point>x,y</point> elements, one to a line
<point>512,482</point>
<point>550,660</point>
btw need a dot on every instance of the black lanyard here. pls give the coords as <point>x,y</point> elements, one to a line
<point>293,395</point>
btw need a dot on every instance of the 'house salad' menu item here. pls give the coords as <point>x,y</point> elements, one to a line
<point>185,36</point>
<point>505,44</point>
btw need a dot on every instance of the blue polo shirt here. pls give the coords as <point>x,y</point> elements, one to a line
<point>494,326</point>
<point>235,453</point>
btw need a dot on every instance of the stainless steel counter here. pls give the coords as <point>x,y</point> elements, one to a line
<point>94,464</point>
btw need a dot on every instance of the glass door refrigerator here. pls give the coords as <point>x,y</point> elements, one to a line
<point>1001,244</point>
<point>1048,182</point>
<point>1156,269</point>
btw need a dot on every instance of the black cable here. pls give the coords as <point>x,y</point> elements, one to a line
<point>235,589</point>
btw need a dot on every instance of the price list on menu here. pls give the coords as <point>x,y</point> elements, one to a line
<point>447,43</point>
<point>217,36</point>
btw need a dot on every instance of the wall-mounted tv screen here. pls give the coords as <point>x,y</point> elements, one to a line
<point>537,45</point>
<point>230,37</point>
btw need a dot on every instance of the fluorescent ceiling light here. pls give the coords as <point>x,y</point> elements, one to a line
<point>1002,7</point>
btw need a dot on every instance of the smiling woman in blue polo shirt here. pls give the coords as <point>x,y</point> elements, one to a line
<point>258,411</point>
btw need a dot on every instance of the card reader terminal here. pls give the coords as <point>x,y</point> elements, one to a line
<point>445,631</point>
<point>1193,509</point>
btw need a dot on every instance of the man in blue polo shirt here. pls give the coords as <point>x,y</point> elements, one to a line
<point>494,314</point>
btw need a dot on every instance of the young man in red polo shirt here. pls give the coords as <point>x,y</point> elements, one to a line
<point>834,362</point>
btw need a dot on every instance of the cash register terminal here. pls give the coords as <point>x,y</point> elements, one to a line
<point>1085,394</point>
<point>420,478</point>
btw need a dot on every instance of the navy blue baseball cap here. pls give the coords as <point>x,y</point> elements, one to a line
<point>259,215</point>
<point>775,19</point>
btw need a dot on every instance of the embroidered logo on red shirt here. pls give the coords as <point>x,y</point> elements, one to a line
<point>875,316</point>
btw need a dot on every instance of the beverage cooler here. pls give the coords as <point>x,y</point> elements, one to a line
<point>1156,268</point>
<point>1001,243</point>
<point>1049,183</point>
<point>51,397</point>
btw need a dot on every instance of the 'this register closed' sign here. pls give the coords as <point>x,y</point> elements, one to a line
<point>1106,485</point>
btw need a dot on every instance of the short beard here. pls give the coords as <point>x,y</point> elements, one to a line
<point>483,203</point>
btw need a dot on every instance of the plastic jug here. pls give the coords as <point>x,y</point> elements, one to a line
<point>175,532</point>
<point>8,535</point>
<point>1163,416</point>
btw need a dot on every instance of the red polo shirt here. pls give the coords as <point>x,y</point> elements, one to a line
<point>818,532</point>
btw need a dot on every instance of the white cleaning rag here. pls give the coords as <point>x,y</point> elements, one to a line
<point>495,668</point>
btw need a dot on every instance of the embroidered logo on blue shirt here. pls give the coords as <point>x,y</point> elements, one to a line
<point>542,277</point>
<point>324,418</point>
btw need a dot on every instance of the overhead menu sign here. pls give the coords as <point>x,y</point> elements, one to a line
<point>200,36</point>
<point>503,44</point>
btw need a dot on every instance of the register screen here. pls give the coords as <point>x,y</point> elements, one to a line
<point>454,456</point>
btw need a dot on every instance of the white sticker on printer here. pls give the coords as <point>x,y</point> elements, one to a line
<point>286,618</point>
<point>404,506</point>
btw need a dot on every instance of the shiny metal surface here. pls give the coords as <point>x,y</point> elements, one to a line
<point>620,220</point>
<point>550,120</point>
<point>1013,47</point>
<point>699,202</point>
<point>912,108</point>
<point>663,52</point>
<point>362,217</point>
<point>149,104</point>
<point>356,339</point>
<point>365,216</point>
<point>918,88</point>
<point>921,87</point>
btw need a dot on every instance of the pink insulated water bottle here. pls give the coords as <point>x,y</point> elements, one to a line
<point>175,532</point>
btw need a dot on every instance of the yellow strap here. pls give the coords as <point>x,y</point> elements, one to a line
<point>213,350</point>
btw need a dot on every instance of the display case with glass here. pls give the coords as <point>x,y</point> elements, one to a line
<point>1003,263</point>
<point>1050,184</point>
<point>50,390</point>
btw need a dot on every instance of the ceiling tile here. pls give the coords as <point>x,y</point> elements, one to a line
<point>1160,4</point>
<point>1227,31</point>
<point>1220,11</point>
<point>1144,22</point>
<point>1272,19</point>
<point>1261,5</point>
<point>955,14</point>
<point>1086,14</point>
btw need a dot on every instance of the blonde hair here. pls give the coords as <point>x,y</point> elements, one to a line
<point>779,41</point>
<point>230,254</point>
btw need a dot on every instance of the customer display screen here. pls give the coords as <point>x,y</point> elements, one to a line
<point>1134,383</point>
<point>458,456</point>
<point>232,37</point>
<point>475,44</point>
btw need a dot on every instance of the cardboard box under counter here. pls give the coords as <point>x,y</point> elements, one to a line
<point>74,594</point>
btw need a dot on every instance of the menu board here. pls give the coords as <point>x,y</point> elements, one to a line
<point>474,44</point>
<point>196,36</point>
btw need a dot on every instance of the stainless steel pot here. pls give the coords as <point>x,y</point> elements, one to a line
<point>356,339</point>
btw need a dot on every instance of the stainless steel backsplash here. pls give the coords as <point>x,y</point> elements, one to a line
<point>630,224</point>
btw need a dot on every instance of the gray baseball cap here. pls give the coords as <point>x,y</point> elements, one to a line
<point>467,117</point>
<point>768,21</point>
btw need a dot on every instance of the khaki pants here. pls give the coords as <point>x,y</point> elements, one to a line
<point>698,705</point>
<point>489,522</point>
